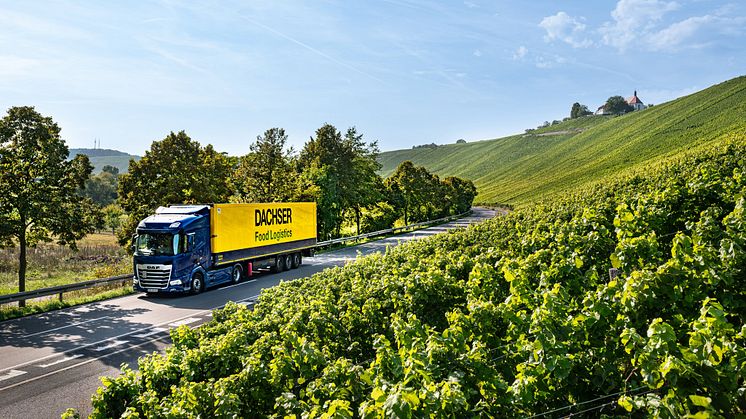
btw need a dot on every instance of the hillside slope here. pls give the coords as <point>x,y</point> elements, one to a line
<point>525,168</point>
<point>102,157</point>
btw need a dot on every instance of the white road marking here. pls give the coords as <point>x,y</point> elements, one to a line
<point>113,344</point>
<point>33,361</point>
<point>66,326</point>
<point>153,331</point>
<point>11,374</point>
<point>61,360</point>
<point>88,361</point>
<point>182,322</point>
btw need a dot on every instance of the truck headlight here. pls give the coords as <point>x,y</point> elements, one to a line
<point>175,282</point>
<point>134,281</point>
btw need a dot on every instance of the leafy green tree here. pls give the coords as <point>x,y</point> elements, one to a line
<point>579,110</point>
<point>110,169</point>
<point>175,170</point>
<point>39,199</point>
<point>409,189</point>
<point>343,169</point>
<point>321,161</point>
<point>617,105</point>
<point>267,173</point>
<point>361,186</point>
<point>101,188</point>
<point>458,194</point>
<point>113,217</point>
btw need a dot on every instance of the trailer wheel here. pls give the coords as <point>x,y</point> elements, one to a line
<point>277,266</point>
<point>198,283</point>
<point>297,260</point>
<point>236,274</point>
<point>288,262</point>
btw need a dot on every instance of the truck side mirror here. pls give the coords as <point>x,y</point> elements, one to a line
<point>133,243</point>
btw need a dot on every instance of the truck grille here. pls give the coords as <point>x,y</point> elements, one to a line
<point>154,276</point>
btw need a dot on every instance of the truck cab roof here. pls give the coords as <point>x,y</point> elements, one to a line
<point>173,218</point>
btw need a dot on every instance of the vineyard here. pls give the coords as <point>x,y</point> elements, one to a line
<point>520,169</point>
<point>516,317</point>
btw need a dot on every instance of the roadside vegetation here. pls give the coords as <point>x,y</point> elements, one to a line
<point>514,317</point>
<point>98,256</point>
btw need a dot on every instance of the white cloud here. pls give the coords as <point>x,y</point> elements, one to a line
<point>672,36</point>
<point>477,53</point>
<point>549,61</point>
<point>520,53</point>
<point>702,27</point>
<point>565,28</point>
<point>470,4</point>
<point>634,19</point>
<point>640,23</point>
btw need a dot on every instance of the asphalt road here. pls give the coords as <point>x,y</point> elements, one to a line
<point>52,361</point>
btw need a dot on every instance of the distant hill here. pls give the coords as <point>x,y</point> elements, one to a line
<point>528,167</point>
<point>101,157</point>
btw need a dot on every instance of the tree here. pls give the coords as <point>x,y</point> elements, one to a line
<point>458,194</point>
<point>110,169</point>
<point>266,174</point>
<point>362,186</point>
<point>617,105</point>
<point>409,188</point>
<point>39,199</point>
<point>113,217</point>
<point>420,195</point>
<point>176,170</point>
<point>102,188</point>
<point>460,141</point>
<point>343,170</point>
<point>579,110</point>
<point>322,160</point>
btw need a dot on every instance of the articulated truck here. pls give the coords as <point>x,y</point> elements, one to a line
<point>188,248</point>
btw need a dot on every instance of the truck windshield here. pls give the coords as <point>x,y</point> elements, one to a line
<point>157,244</point>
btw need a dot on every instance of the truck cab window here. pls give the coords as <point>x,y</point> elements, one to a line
<point>156,244</point>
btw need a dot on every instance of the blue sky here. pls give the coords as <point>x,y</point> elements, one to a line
<point>404,72</point>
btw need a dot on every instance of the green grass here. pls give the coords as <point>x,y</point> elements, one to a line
<point>577,124</point>
<point>525,168</point>
<point>98,256</point>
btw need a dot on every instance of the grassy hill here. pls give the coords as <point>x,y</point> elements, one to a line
<point>101,157</point>
<point>528,167</point>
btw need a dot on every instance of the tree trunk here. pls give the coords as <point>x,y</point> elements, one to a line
<point>22,261</point>
<point>357,219</point>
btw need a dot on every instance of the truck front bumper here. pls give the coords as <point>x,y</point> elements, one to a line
<point>175,286</point>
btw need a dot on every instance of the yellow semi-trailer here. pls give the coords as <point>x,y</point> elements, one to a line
<point>187,248</point>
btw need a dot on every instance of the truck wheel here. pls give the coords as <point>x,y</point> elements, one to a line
<point>288,262</point>
<point>198,283</point>
<point>236,274</point>
<point>297,260</point>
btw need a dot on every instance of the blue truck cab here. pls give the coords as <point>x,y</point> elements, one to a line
<point>171,250</point>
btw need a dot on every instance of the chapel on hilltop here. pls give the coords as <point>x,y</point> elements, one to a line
<point>633,101</point>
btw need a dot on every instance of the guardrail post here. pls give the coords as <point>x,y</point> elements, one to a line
<point>60,296</point>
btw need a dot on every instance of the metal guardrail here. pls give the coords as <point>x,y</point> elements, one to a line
<point>390,230</point>
<point>61,289</point>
